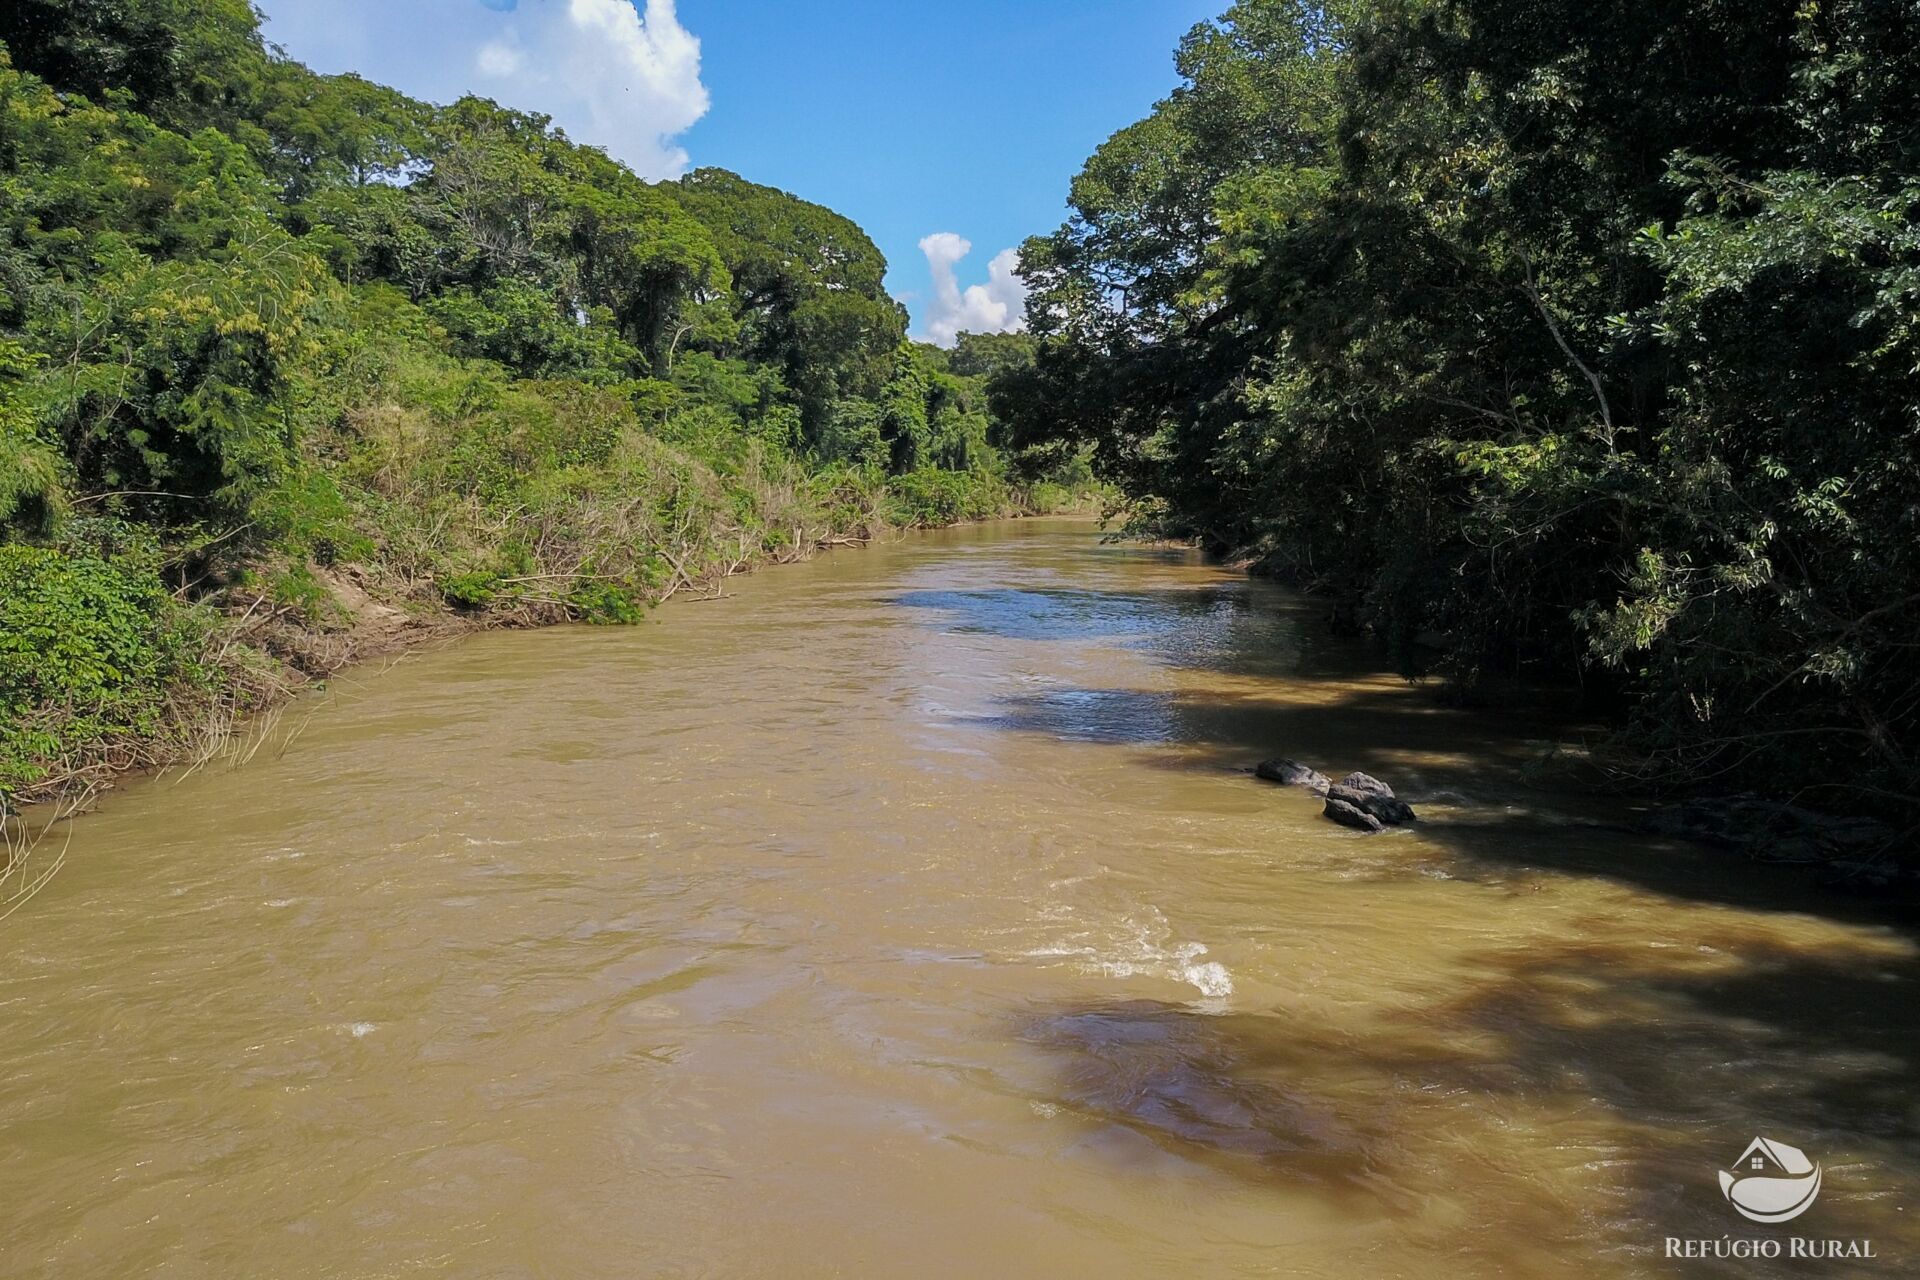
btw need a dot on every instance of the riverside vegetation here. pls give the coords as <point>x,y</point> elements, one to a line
<point>293,366</point>
<point>1564,340</point>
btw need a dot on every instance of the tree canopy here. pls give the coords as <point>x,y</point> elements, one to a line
<point>1573,340</point>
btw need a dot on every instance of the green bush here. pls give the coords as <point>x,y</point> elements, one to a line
<point>607,603</point>
<point>88,647</point>
<point>928,497</point>
<point>474,589</point>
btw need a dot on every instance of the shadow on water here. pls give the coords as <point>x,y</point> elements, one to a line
<point>1298,689</point>
<point>1073,613</point>
<point>1238,628</point>
<point>1626,1076</point>
<point>1636,1067</point>
<point>1215,1087</point>
<point>1424,746</point>
<point>1490,846</point>
<point>1478,767</point>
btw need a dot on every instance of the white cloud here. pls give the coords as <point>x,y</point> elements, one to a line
<point>998,306</point>
<point>499,58</point>
<point>607,73</point>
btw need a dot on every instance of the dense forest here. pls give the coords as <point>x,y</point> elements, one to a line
<point>275,345</point>
<point>1563,341</point>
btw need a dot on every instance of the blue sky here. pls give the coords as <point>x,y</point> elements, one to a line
<point>937,123</point>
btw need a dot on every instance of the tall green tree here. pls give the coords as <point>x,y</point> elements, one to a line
<point>809,292</point>
<point>1576,338</point>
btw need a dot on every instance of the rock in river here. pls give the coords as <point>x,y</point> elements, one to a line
<point>1348,814</point>
<point>1372,797</point>
<point>1292,773</point>
<point>1359,800</point>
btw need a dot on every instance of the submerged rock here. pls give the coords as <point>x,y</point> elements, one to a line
<point>1291,773</point>
<point>1348,814</point>
<point>1454,799</point>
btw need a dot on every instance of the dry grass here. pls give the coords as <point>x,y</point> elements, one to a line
<point>24,867</point>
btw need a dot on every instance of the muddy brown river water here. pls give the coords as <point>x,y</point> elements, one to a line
<point>906,913</point>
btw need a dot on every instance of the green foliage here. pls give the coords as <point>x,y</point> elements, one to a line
<point>809,296</point>
<point>604,602</point>
<point>306,516</point>
<point>512,322</point>
<point>31,490</point>
<point>1587,343</point>
<point>88,649</point>
<point>991,355</point>
<point>333,131</point>
<point>175,372</point>
<point>471,589</point>
<point>902,421</point>
<point>187,62</point>
<point>932,497</point>
<point>305,340</point>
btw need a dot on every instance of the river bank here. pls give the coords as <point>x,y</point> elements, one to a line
<point>257,645</point>
<point>262,414</point>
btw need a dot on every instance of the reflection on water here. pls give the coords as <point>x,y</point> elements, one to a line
<point>910,913</point>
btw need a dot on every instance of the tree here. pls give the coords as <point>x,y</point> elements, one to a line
<point>31,490</point>
<point>1580,338</point>
<point>189,63</point>
<point>809,292</point>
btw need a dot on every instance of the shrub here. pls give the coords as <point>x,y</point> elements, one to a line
<point>607,603</point>
<point>929,497</point>
<point>87,648</point>
<point>474,589</point>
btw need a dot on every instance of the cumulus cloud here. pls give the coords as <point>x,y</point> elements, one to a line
<point>607,71</point>
<point>998,306</point>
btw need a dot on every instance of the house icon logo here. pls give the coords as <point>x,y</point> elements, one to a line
<point>1771,1182</point>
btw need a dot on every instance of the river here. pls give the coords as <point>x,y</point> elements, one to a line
<point>910,913</point>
